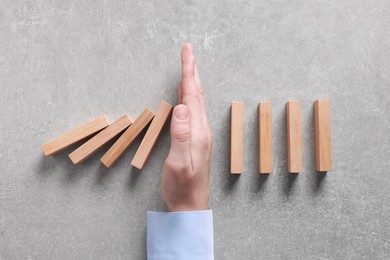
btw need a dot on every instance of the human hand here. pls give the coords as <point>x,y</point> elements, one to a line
<point>185,183</point>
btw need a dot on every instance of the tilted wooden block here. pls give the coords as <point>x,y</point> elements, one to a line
<point>294,136</point>
<point>265,137</point>
<point>127,138</point>
<point>76,135</point>
<point>322,135</point>
<point>95,143</point>
<point>237,138</point>
<point>151,136</point>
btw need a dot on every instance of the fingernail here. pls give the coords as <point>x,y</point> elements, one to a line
<point>189,45</point>
<point>181,112</point>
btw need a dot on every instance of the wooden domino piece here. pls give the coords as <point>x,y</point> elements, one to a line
<point>265,137</point>
<point>75,135</point>
<point>322,135</point>
<point>237,138</point>
<point>127,138</point>
<point>151,136</point>
<point>95,143</point>
<point>294,136</point>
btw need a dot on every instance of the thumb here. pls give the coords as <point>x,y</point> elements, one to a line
<point>181,135</point>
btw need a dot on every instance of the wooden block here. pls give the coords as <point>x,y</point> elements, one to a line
<point>151,136</point>
<point>76,135</point>
<point>237,138</point>
<point>265,137</point>
<point>95,143</point>
<point>294,136</point>
<point>127,138</point>
<point>322,135</point>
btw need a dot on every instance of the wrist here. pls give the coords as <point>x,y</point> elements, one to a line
<point>187,207</point>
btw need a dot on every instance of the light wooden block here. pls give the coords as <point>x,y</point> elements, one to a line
<point>265,137</point>
<point>294,136</point>
<point>237,138</point>
<point>76,135</point>
<point>322,135</point>
<point>151,136</point>
<point>127,138</point>
<point>95,143</point>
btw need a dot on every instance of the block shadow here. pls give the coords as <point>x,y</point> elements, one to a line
<point>47,165</point>
<point>259,184</point>
<point>260,180</point>
<point>228,181</point>
<point>315,178</point>
<point>134,176</point>
<point>72,173</point>
<point>287,180</point>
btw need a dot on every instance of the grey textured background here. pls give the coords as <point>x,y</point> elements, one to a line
<point>64,62</point>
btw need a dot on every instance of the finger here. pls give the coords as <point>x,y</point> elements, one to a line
<point>180,151</point>
<point>187,62</point>
<point>189,88</point>
<point>201,98</point>
<point>197,80</point>
<point>179,95</point>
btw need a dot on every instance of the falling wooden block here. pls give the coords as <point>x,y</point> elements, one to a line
<point>237,138</point>
<point>127,138</point>
<point>95,143</point>
<point>76,135</point>
<point>322,135</point>
<point>265,137</point>
<point>294,136</point>
<point>151,136</point>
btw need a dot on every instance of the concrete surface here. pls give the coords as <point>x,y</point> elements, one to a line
<point>65,62</point>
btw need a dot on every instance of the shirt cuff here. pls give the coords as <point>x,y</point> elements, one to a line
<point>180,235</point>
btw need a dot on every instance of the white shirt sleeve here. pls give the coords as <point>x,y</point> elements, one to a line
<point>180,235</point>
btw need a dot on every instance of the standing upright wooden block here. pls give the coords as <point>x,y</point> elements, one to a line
<point>237,138</point>
<point>322,135</point>
<point>127,138</point>
<point>265,137</point>
<point>151,136</point>
<point>95,143</point>
<point>76,135</point>
<point>294,136</point>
